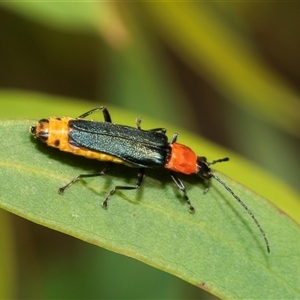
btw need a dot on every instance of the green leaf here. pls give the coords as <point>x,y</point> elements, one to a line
<point>218,248</point>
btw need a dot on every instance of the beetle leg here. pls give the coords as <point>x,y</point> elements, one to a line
<point>138,122</point>
<point>181,186</point>
<point>174,138</point>
<point>75,179</point>
<point>141,175</point>
<point>105,112</point>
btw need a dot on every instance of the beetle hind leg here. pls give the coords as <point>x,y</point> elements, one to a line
<point>80,176</point>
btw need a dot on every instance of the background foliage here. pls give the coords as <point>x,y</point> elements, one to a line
<point>228,71</point>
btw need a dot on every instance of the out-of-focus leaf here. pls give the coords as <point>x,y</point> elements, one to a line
<point>62,14</point>
<point>8,280</point>
<point>214,49</point>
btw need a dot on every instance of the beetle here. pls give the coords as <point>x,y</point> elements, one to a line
<point>131,146</point>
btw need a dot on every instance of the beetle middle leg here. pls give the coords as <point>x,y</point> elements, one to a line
<point>141,175</point>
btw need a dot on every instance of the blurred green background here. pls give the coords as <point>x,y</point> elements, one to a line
<point>226,71</point>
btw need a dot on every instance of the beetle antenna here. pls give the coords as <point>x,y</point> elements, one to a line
<point>245,207</point>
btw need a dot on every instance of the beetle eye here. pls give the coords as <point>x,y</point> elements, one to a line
<point>33,130</point>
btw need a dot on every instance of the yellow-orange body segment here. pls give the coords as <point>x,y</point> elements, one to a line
<point>58,137</point>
